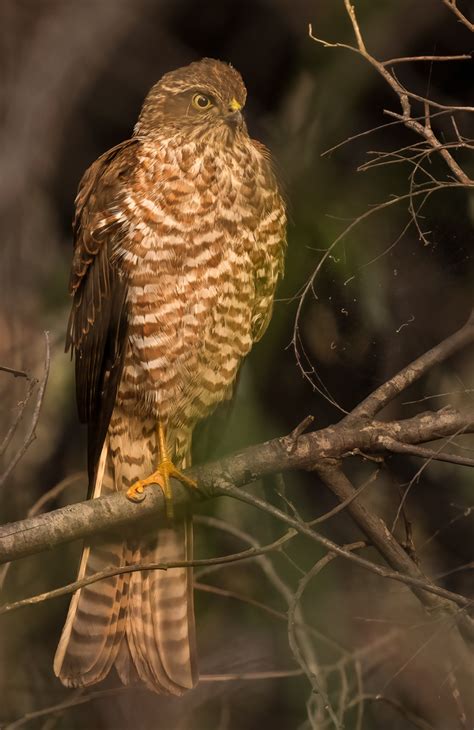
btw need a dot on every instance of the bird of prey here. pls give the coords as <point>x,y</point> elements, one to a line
<point>179,239</point>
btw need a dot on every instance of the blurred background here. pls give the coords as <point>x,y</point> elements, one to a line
<point>73,77</point>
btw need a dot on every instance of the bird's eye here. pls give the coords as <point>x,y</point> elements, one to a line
<point>201,102</point>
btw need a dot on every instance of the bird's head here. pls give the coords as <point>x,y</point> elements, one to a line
<point>204,98</point>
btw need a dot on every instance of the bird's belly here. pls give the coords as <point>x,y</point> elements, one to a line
<point>187,337</point>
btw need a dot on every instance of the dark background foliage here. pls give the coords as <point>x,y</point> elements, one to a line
<point>74,75</point>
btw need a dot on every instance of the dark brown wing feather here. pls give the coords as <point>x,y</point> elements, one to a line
<point>97,330</point>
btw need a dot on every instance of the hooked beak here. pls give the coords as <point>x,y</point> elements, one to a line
<point>234,119</point>
<point>234,115</point>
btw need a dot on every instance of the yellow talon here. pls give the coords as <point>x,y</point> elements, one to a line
<point>135,491</point>
<point>165,470</point>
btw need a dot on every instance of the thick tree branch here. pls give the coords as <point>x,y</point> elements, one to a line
<point>45,531</point>
<point>116,507</point>
<point>321,451</point>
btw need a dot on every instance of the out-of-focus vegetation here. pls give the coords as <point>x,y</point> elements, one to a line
<point>74,75</point>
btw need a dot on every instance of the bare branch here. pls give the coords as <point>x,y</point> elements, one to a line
<point>345,502</point>
<point>90,517</point>
<point>15,373</point>
<point>410,59</point>
<point>31,435</point>
<point>54,492</point>
<point>404,95</point>
<point>452,6</point>
<point>426,192</point>
<point>410,578</point>
<point>415,720</point>
<point>380,127</point>
<point>263,561</point>
<point>17,420</point>
<point>226,593</point>
<point>413,372</point>
<point>37,508</point>
<point>83,699</point>
<point>429,454</point>
<point>321,451</point>
<point>72,587</point>
<point>76,521</point>
<point>372,526</point>
<point>314,679</point>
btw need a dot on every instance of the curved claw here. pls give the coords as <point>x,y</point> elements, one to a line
<point>161,477</point>
<point>136,493</point>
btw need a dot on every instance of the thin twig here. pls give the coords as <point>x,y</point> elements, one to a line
<point>303,529</point>
<point>413,372</point>
<point>410,59</point>
<point>31,435</point>
<point>54,492</point>
<point>345,502</point>
<point>32,383</point>
<point>262,560</point>
<point>416,478</point>
<point>15,373</point>
<point>226,593</point>
<point>378,128</point>
<point>309,285</point>
<point>95,577</point>
<point>114,691</point>
<point>452,6</point>
<point>315,680</point>
<point>399,448</point>
<point>37,508</point>
<point>415,720</point>
<point>420,126</point>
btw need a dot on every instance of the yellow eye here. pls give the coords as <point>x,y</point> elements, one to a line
<point>201,102</point>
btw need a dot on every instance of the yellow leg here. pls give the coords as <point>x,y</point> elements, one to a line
<point>165,469</point>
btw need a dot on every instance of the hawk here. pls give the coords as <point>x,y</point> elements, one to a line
<point>179,238</point>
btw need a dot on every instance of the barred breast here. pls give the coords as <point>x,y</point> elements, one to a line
<point>204,251</point>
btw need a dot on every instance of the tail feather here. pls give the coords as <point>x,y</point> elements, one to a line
<point>171,596</point>
<point>140,639</point>
<point>91,636</point>
<point>142,622</point>
<point>165,636</point>
<point>124,664</point>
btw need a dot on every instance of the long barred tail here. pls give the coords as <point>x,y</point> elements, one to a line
<point>141,622</point>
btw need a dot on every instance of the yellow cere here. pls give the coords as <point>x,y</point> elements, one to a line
<point>235,106</point>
